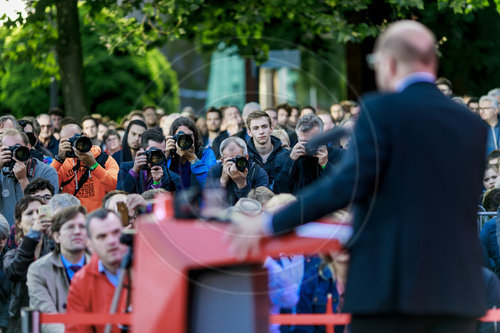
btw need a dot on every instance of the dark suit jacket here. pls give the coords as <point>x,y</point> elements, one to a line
<point>413,177</point>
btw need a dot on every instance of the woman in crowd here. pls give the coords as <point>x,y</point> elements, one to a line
<point>490,176</point>
<point>190,164</point>
<point>31,237</point>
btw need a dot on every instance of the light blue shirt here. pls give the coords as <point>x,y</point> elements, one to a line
<point>412,78</point>
<point>67,264</point>
<point>112,278</point>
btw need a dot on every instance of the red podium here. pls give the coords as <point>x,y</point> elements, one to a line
<point>186,280</point>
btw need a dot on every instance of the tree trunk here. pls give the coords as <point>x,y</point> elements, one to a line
<point>69,54</point>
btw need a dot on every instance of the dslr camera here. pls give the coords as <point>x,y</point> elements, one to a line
<point>183,140</point>
<point>19,153</point>
<point>81,143</point>
<point>241,163</point>
<point>155,156</point>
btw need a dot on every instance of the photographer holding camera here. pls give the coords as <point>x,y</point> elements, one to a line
<point>149,168</point>
<point>186,154</point>
<point>234,172</point>
<point>18,170</point>
<point>302,167</point>
<point>84,170</point>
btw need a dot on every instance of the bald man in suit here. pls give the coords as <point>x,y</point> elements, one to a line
<point>413,177</point>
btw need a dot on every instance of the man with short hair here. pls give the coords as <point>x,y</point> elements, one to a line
<point>444,85</point>
<point>41,188</point>
<point>140,175</point>
<point>88,176</point>
<point>13,181</point>
<point>56,114</point>
<point>304,111</point>
<point>234,126</point>
<point>283,118</point>
<point>50,276</point>
<point>150,116</point>
<point>46,137</point>
<point>263,148</point>
<point>225,174</point>
<point>488,111</point>
<point>473,104</point>
<point>273,114</point>
<point>93,287</point>
<point>213,120</point>
<point>301,169</point>
<point>90,126</point>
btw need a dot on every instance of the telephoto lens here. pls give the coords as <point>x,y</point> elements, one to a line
<point>81,143</point>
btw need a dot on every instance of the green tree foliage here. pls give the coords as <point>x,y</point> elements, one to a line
<point>117,83</point>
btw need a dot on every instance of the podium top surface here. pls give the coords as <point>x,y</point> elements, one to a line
<point>199,243</point>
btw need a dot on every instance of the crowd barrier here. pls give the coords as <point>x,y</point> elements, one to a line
<point>329,319</point>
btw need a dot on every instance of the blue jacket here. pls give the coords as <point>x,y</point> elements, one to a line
<point>199,169</point>
<point>489,241</point>
<point>314,292</point>
<point>275,160</point>
<point>493,141</point>
<point>128,183</point>
<point>256,177</point>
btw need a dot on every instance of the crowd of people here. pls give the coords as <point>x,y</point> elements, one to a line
<point>64,185</point>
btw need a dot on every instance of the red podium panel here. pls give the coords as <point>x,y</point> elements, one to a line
<point>167,250</point>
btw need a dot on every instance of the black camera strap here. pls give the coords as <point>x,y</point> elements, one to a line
<point>101,159</point>
<point>31,167</point>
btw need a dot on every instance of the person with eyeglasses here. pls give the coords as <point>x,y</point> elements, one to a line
<point>40,188</point>
<point>488,111</point>
<point>46,137</point>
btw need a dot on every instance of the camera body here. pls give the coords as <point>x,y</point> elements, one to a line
<point>81,143</point>
<point>241,163</point>
<point>183,140</point>
<point>19,153</point>
<point>155,156</point>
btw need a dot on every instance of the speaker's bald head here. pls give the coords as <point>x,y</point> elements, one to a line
<point>409,42</point>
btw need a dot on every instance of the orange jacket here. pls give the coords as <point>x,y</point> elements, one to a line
<point>101,180</point>
<point>91,291</point>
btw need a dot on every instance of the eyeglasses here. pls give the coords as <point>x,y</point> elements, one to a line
<point>46,197</point>
<point>488,108</point>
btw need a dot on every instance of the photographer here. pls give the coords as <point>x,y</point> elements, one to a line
<point>84,170</point>
<point>148,170</point>
<point>16,174</point>
<point>303,168</point>
<point>233,175</point>
<point>187,156</point>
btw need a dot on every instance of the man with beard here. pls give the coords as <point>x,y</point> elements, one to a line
<point>213,120</point>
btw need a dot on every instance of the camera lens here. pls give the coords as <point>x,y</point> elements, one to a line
<point>157,157</point>
<point>22,154</point>
<point>83,144</point>
<point>185,142</point>
<point>241,163</point>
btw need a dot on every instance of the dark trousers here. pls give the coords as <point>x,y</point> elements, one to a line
<point>400,323</point>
